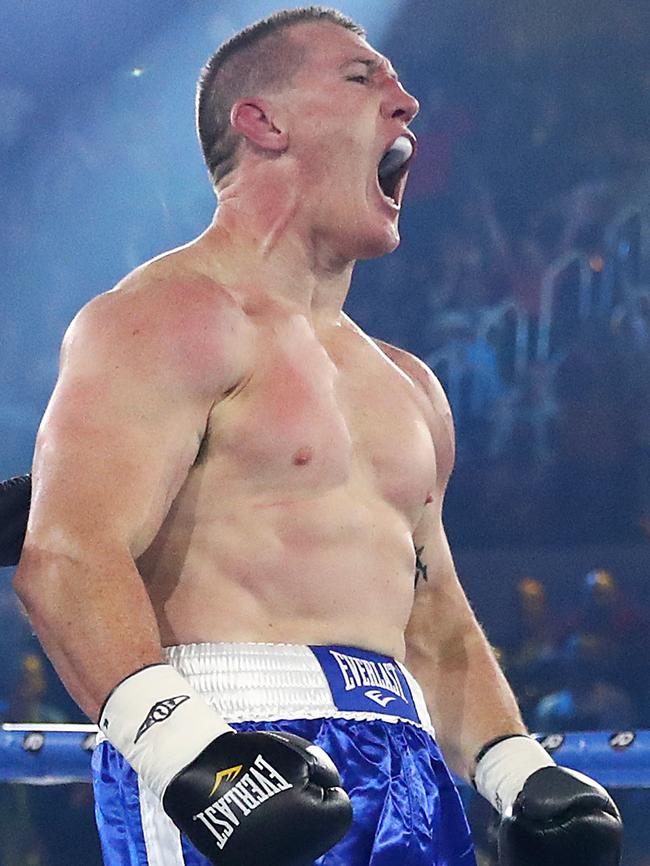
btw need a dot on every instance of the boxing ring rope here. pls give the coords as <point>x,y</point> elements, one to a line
<point>49,754</point>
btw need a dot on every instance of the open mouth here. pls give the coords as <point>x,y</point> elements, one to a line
<point>393,168</point>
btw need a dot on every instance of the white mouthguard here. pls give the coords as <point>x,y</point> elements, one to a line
<point>395,157</point>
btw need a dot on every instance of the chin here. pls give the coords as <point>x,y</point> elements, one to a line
<point>370,241</point>
<point>380,244</point>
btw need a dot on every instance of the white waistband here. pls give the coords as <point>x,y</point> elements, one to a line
<point>267,682</point>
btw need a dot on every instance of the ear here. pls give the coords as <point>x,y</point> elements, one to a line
<point>252,118</point>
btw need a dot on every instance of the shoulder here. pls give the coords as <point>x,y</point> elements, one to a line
<point>160,299</point>
<point>165,317</point>
<point>420,373</point>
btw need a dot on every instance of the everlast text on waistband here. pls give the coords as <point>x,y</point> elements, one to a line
<point>358,672</point>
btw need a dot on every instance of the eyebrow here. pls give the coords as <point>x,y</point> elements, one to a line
<point>371,64</point>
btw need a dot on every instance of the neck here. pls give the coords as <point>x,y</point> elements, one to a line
<point>259,240</point>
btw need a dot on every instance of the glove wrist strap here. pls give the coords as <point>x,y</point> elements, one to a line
<point>486,748</point>
<point>159,724</point>
<point>504,765</point>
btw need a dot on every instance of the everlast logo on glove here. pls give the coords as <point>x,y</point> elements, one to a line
<point>228,775</point>
<point>257,785</point>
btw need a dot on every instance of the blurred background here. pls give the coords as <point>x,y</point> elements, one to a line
<point>523,279</point>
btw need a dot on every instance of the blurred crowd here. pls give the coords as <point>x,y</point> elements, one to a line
<point>552,408</point>
<point>579,668</point>
<point>584,668</point>
<point>50,825</point>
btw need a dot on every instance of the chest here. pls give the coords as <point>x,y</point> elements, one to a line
<point>316,417</point>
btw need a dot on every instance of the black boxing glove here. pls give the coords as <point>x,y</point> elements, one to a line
<point>274,800</point>
<point>15,498</point>
<point>550,815</point>
<point>562,818</point>
<point>243,799</point>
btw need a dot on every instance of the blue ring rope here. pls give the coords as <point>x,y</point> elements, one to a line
<point>56,754</point>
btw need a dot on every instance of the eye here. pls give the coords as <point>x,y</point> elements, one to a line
<point>360,79</point>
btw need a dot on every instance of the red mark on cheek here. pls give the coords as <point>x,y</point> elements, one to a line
<point>429,499</point>
<point>302,457</point>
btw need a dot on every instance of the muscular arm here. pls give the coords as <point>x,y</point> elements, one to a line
<point>467,695</point>
<point>139,373</point>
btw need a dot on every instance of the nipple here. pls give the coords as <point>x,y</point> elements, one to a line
<point>303,456</point>
<point>429,499</point>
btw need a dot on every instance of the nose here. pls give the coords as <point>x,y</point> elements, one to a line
<point>398,104</point>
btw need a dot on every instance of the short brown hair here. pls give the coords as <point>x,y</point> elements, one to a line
<point>257,58</point>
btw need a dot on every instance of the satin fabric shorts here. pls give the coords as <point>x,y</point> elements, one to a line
<point>365,710</point>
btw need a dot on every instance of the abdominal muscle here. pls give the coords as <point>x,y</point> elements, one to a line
<point>332,569</point>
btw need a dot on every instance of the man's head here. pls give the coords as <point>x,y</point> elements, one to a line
<point>297,113</point>
<point>258,60</point>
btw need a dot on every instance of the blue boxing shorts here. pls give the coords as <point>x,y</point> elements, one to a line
<point>365,710</point>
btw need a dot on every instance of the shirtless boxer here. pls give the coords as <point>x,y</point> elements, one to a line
<point>231,470</point>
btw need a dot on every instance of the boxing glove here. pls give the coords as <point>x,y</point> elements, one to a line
<point>260,799</point>
<point>15,498</point>
<point>550,815</point>
<point>562,818</point>
<point>243,799</point>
